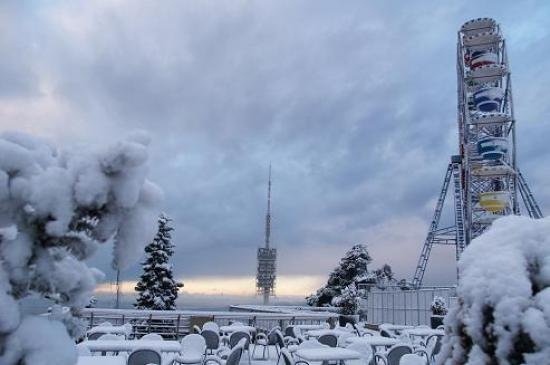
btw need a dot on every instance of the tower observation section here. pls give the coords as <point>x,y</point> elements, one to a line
<point>484,175</point>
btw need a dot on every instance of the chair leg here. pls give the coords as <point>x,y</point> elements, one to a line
<point>254,351</point>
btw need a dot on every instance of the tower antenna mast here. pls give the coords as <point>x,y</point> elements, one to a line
<point>267,256</point>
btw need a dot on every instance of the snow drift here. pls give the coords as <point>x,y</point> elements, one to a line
<point>503,315</point>
<point>56,207</point>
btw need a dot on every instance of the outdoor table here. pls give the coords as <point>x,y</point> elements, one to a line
<point>319,333</point>
<point>101,360</point>
<point>130,345</point>
<point>309,327</point>
<point>374,341</point>
<point>238,328</point>
<point>115,330</point>
<point>423,332</point>
<point>326,354</point>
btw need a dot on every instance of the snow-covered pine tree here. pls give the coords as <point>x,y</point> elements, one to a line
<point>352,266</point>
<point>157,288</point>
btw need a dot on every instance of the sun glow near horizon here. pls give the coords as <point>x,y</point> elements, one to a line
<point>286,285</point>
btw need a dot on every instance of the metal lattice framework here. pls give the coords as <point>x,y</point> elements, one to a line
<point>267,256</point>
<point>485,175</point>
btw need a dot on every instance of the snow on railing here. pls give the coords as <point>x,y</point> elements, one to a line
<point>176,324</point>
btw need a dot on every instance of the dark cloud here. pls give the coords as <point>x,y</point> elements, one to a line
<point>354,103</point>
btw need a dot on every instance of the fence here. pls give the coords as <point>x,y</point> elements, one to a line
<point>176,324</point>
<point>407,307</point>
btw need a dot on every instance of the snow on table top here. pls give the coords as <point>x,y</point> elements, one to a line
<point>319,333</point>
<point>101,360</point>
<point>116,330</point>
<point>237,328</point>
<point>423,332</point>
<point>373,340</point>
<point>130,345</point>
<point>394,327</point>
<point>327,353</point>
<point>309,327</point>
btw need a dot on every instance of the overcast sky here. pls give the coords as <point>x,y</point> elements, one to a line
<point>353,102</point>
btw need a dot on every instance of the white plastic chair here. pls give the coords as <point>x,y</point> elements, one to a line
<point>152,337</point>
<point>212,326</point>
<point>144,357</point>
<point>193,349</point>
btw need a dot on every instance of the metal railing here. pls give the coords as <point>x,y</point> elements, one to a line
<point>176,324</point>
<point>406,307</point>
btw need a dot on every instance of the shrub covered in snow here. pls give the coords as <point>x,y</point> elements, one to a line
<point>439,307</point>
<point>503,315</point>
<point>157,288</point>
<point>56,207</point>
<point>348,301</point>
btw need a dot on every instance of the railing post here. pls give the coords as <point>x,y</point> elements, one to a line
<point>178,327</point>
<point>91,319</point>
<point>149,325</point>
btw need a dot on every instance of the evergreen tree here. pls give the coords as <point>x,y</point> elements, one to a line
<point>352,266</point>
<point>157,288</point>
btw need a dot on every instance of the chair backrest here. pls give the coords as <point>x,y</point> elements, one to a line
<point>385,333</point>
<point>396,352</point>
<point>196,329</point>
<point>212,339</point>
<point>111,337</point>
<point>235,355</point>
<point>212,326</point>
<point>236,337</point>
<point>289,331</point>
<point>287,357</point>
<point>152,337</point>
<point>329,339</point>
<point>144,357</point>
<point>272,337</point>
<point>433,344</point>
<point>193,343</point>
<point>95,335</point>
<point>280,339</point>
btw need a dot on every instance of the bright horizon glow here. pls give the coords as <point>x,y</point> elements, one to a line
<point>286,285</point>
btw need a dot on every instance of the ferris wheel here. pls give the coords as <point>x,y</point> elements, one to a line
<point>485,176</point>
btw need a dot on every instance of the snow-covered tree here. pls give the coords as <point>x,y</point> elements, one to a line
<point>503,311</point>
<point>56,208</point>
<point>157,288</point>
<point>352,266</point>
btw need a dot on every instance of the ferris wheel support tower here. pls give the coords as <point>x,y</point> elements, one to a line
<point>484,174</point>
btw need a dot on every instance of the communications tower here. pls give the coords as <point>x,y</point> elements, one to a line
<point>483,176</point>
<point>267,256</point>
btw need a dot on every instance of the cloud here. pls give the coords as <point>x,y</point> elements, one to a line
<point>354,104</point>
